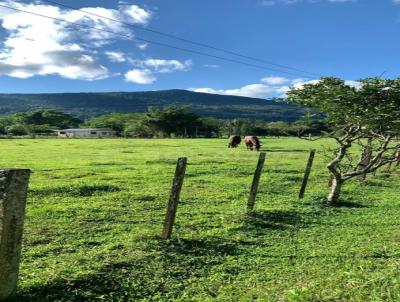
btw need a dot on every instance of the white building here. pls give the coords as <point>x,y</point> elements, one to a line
<point>91,132</point>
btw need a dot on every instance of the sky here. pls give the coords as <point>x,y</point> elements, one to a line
<point>350,39</point>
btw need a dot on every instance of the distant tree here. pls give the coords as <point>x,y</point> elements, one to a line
<point>50,117</point>
<point>138,130</point>
<point>370,112</point>
<point>170,121</point>
<point>17,130</point>
<point>210,127</point>
<point>5,122</point>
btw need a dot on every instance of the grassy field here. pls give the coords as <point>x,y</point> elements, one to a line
<point>96,208</point>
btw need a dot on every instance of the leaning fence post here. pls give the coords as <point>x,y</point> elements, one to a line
<point>13,191</point>
<point>307,173</point>
<point>174,197</point>
<point>256,179</point>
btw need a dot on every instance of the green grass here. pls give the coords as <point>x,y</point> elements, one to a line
<point>96,209</point>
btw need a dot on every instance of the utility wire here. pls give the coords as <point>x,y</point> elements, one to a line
<point>153,42</point>
<point>184,40</point>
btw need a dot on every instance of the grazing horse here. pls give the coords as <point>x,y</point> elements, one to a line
<point>252,143</point>
<point>234,141</point>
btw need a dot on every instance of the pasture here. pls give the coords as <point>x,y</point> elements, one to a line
<point>96,208</point>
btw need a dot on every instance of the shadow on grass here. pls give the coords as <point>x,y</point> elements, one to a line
<point>261,221</point>
<point>75,191</point>
<point>349,204</point>
<point>319,202</point>
<point>286,150</point>
<point>164,272</point>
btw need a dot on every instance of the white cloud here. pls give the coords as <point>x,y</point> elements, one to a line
<point>38,46</point>
<point>143,46</point>
<point>269,87</point>
<point>115,56</point>
<point>252,90</point>
<point>140,76</point>
<point>275,80</point>
<point>136,13</point>
<point>299,83</point>
<point>145,71</point>
<point>354,84</point>
<point>165,66</point>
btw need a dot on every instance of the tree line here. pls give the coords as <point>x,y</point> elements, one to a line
<point>164,122</point>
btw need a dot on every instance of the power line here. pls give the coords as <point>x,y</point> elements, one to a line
<point>185,40</point>
<point>153,42</point>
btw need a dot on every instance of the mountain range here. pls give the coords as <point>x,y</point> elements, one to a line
<point>87,105</point>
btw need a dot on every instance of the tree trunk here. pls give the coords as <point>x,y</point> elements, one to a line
<point>365,160</point>
<point>336,187</point>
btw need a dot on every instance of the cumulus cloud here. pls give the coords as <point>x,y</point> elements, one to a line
<point>115,56</point>
<point>143,46</point>
<point>275,80</point>
<point>38,46</point>
<point>269,87</point>
<point>136,13</point>
<point>165,66</point>
<point>145,71</point>
<point>140,76</point>
<point>252,90</point>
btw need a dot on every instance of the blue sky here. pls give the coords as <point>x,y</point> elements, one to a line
<point>346,38</point>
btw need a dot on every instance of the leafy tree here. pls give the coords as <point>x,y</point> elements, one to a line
<point>50,117</point>
<point>138,130</point>
<point>17,129</point>
<point>356,114</point>
<point>116,121</point>
<point>172,121</point>
<point>5,122</point>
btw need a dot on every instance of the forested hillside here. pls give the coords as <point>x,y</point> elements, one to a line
<point>87,105</point>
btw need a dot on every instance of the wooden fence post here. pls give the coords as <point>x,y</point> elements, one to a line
<point>174,197</point>
<point>13,191</point>
<point>307,173</point>
<point>256,180</point>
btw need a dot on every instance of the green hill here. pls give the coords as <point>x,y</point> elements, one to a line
<point>86,105</point>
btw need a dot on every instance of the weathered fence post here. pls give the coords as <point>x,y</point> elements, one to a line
<point>174,197</point>
<point>256,181</point>
<point>307,173</point>
<point>13,191</point>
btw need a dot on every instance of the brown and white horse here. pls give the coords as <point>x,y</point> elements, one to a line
<point>252,143</point>
<point>234,141</point>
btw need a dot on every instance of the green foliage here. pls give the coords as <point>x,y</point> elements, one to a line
<point>157,122</point>
<point>17,129</point>
<point>89,105</point>
<point>372,106</point>
<point>42,121</point>
<point>49,117</point>
<point>370,112</point>
<point>96,208</point>
<point>172,121</point>
<point>115,121</point>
